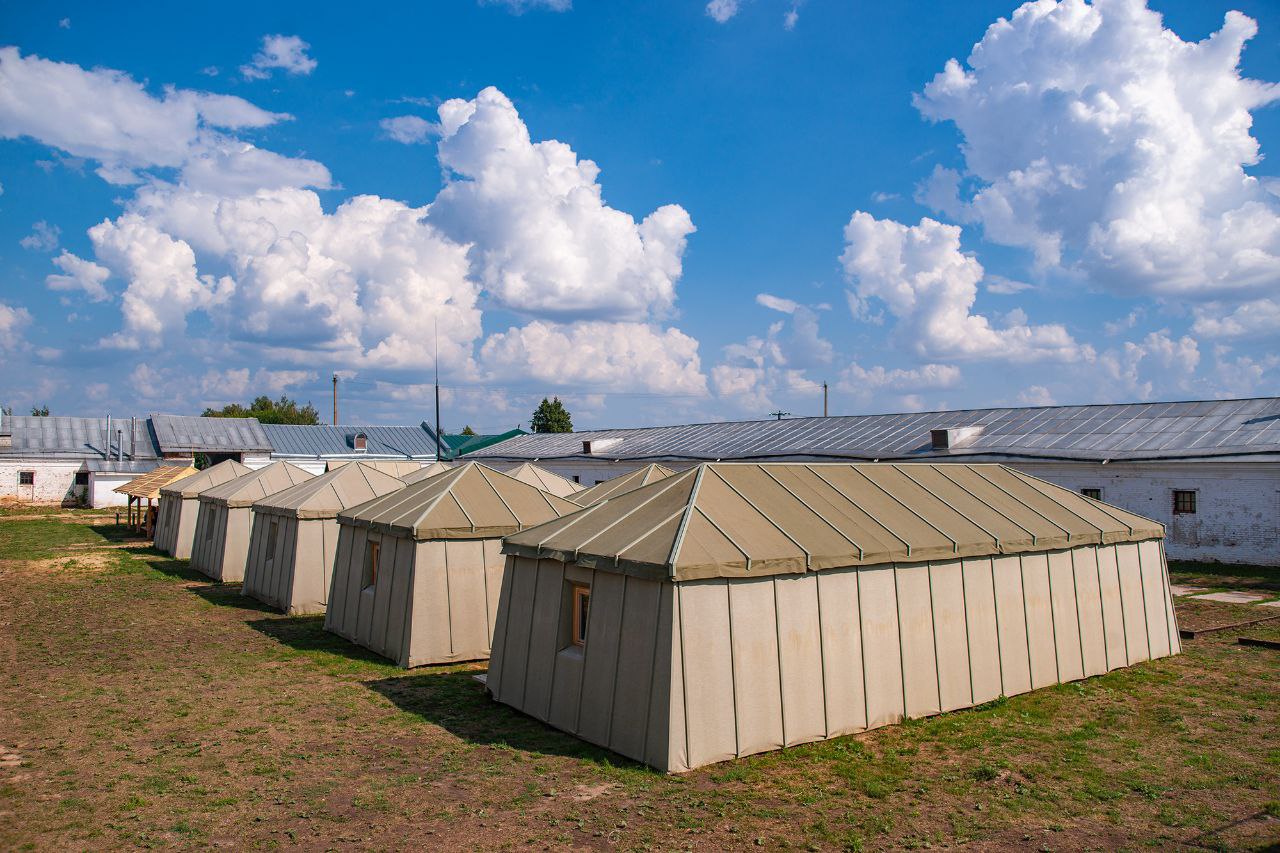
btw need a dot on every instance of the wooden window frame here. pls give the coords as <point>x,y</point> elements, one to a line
<point>579,594</point>
<point>1185,502</point>
<point>372,557</point>
<point>26,478</point>
<point>1092,493</point>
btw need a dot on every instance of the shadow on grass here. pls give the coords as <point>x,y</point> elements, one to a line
<point>117,533</point>
<point>457,703</point>
<point>307,634</point>
<point>228,595</point>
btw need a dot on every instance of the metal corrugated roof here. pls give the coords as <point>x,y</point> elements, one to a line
<point>184,434</point>
<point>59,436</point>
<point>405,442</point>
<point>1134,431</point>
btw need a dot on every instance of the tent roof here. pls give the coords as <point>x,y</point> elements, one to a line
<point>751,519</point>
<point>394,467</point>
<point>471,501</point>
<point>150,483</point>
<point>324,496</point>
<point>650,473</point>
<point>214,475</point>
<point>247,489</point>
<point>426,472</point>
<point>527,472</point>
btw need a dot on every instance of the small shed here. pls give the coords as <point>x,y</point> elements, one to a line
<point>221,544</point>
<point>426,472</point>
<point>741,607</point>
<point>602,491</point>
<point>147,488</point>
<point>418,571</point>
<point>527,472</point>
<point>180,506</point>
<point>295,535</point>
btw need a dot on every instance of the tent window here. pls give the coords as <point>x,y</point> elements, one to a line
<point>371,553</point>
<point>581,599</point>
<point>271,540</point>
<point>82,478</point>
<point>1184,502</point>
<point>26,478</point>
<point>1094,494</point>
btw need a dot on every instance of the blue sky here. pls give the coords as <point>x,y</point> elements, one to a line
<point>1084,210</point>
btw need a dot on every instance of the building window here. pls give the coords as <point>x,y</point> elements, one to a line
<point>577,478</point>
<point>1092,494</point>
<point>26,478</point>
<point>581,602</point>
<point>1184,502</point>
<point>82,478</point>
<point>371,553</point>
<point>271,540</point>
<point>360,442</point>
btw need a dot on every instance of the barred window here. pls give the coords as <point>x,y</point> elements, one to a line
<point>1092,494</point>
<point>26,478</point>
<point>1184,502</point>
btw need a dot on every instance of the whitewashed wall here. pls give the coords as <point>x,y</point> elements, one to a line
<point>55,480</point>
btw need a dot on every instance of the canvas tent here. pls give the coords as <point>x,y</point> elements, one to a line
<point>147,488</point>
<point>418,571</point>
<point>740,607</point>
<point>295,535</point>
<point>180,506</point>
<point>618,485</point>
<point>426,472</point>
<point>221,544</point>
<point>527,472</point>
<point>394,467</point>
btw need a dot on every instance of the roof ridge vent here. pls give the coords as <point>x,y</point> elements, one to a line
<point>596,446</point>
<point>951,438</point>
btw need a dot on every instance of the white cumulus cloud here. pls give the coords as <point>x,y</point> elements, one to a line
<point>721,11</point>
<point>1130,148</point>
<point>408,129</point>
<point>286,53</point>
<point>13,319</point>
<point>79,274</point>
<point>43,237</point>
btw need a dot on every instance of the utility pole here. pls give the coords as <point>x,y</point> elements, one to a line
<point>780,414</point>
<point>335,399</point>
<point>436,364</point>
<point>824,399</point>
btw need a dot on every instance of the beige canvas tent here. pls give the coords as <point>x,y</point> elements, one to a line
<point>562,487</point>
<point>394,467</point>
<point>737,608</point>
<point>180,506</point>
<point>295,536</point>
<point>221,544</point>
<point>418,571</point>
<point>426,472</point>
<point>147,488</point>
<point>618,485</point>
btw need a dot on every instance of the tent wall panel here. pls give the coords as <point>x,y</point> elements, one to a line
<point>501,617</point>
<point>674,753</point>
<point>1171,619</point>
<point>364,598</point>
<point>916,640</point>
<point>634,680</point>
<point>1042,646</point>
<point>468,625</point>
<point>184,537</point>
<point>1155,593</point>
<point>1011,624</point>
<point>756,679</point>
<point>801,658</point>
<point>569,665</point>
<point>710,695</point>
<point>494,570</point>
<point>518,601</point>
<point>593,705</point>
<point>548,599</point>
<point>1112,610</point>
<point>429,610</point>
<point>1135,618</point>
<point>1066,616</point>
<point>340,615</point>
<point>167,523</point>
<point>951,635</point>
<point>982,634</point>
<point>882,651</point>
<point>1093,639</point>
<point>840,621</point>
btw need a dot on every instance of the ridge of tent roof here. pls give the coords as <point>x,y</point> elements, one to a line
<point>756,519</point>
<point>622,483</point>
<point>193,485</point>
<point>249,488</point>
<point>327,494</point>
<point>548,481</point>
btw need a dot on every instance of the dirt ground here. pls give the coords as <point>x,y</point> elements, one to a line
<point>142,705</point>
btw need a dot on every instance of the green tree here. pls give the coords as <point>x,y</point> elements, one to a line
<point>268,411</point>
<point>551,416</point>
<point>40,411</point>
<point>467,430</point>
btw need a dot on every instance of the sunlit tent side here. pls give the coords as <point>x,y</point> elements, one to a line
<point>563,487</point>
<point>221,544</point>
<point>295,535</point>
<point>650,473</point>
<point>426,472</point>
<point>736,608</point>
<point>418,571</point>
<point>180,506</point>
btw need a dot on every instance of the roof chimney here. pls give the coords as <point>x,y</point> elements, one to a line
<point>952,438</point>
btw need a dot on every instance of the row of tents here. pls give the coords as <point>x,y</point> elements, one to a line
<point>682,619</point>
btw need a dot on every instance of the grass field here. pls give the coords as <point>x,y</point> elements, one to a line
<point>141,705</point>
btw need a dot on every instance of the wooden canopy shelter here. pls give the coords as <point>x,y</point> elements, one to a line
<point>147,488</point>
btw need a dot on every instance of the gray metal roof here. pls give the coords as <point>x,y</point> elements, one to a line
<point>61,437</point>
<point>1133,431</point>
<point>185,434</point>
<point>401,442</point>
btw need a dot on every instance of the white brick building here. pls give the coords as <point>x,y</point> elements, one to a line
<point>1208,470</point>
